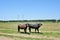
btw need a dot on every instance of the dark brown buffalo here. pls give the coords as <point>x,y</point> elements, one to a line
<point>34,26</point>
<point>22,26</point>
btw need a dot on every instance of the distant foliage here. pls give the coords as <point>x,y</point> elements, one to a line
<point>52,20</point>
<point>58,20</point>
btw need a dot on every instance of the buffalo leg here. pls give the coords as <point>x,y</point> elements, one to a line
<point>29,29</point>
<point>18,29</point>
<point>38,30</point>
<point>25,30</point>
<point>35,29</point>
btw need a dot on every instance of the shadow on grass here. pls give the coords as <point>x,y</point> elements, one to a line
<point>24,33</point>
<point>36,33</point>
<point>31,33</point>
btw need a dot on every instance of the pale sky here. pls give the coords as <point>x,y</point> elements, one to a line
<point>29,9</point>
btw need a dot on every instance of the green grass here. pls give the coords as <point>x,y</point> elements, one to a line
<point>24,38</point>
<point>11,28</point>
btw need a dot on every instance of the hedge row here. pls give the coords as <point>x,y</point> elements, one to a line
<point>31,21</point>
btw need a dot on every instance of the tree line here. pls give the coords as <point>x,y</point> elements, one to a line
<point>51,20</point>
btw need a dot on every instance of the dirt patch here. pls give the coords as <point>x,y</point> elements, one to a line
<point>5,38</point>
<point>31,36</point>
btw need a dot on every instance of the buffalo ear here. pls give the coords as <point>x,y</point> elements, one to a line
<point>26,24</point>
<point>41,24</point>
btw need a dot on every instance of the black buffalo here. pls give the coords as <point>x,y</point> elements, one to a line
<point>34,26</point>
<point>22,26</point>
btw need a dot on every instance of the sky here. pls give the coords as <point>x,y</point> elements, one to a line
<point>29,9</point>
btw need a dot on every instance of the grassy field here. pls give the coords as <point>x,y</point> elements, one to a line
<point>48,31</point>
